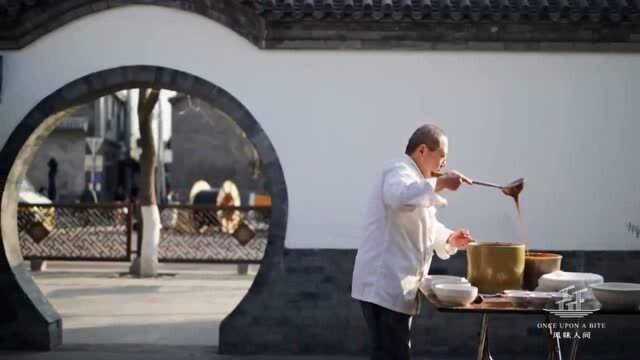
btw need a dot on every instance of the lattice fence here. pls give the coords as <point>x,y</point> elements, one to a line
<point>75,232</point>
<point>208,234</point>
<point>109,232</point>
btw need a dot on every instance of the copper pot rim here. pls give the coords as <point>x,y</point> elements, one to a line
<point>533,254</point>
<point>496,244</point>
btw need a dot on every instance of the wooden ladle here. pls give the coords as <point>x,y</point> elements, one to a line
<point>512,189</point>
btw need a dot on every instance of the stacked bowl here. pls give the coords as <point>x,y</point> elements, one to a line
<point>559,280</point>
<point>450,290</point>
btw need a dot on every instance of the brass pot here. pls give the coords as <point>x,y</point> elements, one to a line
<point>537,264</point>
<point>494,267</point>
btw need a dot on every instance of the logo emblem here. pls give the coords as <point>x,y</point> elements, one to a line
<point>571,305</point>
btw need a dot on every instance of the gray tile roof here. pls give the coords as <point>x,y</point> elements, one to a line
<point>454,10</point>
<point>574,25</point>
<point>435,10</point>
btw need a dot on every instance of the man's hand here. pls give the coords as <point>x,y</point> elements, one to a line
<point>460,238</point>
<point>451,180</point>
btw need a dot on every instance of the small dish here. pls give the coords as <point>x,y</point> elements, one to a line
<point>531,299</point>
<point>617,295</point>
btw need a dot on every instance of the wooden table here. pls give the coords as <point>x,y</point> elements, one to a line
<point>502,305</point>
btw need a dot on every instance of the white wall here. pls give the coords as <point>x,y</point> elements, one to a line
<point>565,122</point>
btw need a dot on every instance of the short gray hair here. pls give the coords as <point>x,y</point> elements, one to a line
<point>428,134</point>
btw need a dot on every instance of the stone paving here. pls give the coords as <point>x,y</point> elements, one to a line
<point>101,304</point>
<point>108,315</point>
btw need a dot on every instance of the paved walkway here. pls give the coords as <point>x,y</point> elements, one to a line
<point>155,352</point>
<point>101,304</point>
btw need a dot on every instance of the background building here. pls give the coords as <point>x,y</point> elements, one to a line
<point>110,124</point>
<point>103,123</point>
<point>222,148</point>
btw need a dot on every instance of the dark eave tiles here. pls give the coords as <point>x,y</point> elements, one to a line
<point>451,10</point>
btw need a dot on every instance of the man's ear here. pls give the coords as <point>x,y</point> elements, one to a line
<point>422,148</point>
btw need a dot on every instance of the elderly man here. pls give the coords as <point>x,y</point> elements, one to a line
<point>401,234</point>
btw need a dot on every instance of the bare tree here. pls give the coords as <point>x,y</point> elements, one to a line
<point>146,103</point>
<point>147,263</point>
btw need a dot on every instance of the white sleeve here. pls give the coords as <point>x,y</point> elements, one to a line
<point>401,189</point>
<point>441,234</point>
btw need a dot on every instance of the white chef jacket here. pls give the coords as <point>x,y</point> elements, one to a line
<point>401,233</point>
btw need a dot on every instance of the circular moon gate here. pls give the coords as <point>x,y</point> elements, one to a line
<point>27,320</point>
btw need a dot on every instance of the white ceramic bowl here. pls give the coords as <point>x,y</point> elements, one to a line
<point>455,294</point>
<point>426,286</point>
<point>558,280</point>
<point>617,296</point>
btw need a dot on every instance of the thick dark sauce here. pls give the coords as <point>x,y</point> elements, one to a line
<point>513,190</point>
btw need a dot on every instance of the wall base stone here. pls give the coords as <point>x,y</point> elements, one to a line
<point>306,308</point>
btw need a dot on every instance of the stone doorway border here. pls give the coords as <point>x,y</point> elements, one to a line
<point>27,320</point>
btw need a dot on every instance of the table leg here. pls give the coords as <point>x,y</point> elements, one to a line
<point>575,342</point>
<point>555,352</point>
<point>483,347</point>
<point>574,349</point>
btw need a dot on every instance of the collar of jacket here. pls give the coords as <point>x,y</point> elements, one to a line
<point>440,201</point>
<point>407,159</point>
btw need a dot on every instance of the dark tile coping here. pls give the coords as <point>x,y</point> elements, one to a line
<point>523,25</point>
